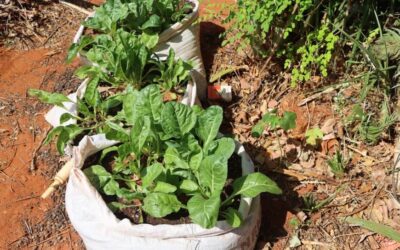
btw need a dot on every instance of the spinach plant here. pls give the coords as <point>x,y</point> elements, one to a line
<point>173,160</point>
<point>135,17</point>
<point>117,64</point>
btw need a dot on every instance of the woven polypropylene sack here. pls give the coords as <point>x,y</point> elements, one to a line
<point>100,229</point>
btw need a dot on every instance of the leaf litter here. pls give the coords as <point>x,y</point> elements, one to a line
<point>300,157</point>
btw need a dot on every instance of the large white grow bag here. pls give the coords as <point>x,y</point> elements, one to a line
<point>100,229</point>
<point>184,38</point>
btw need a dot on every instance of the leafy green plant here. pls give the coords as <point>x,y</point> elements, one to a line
<point>273,121</point>
<point>311,204</point>
<point>136,17</point>
<point>172,160</point>
<point>172,72</point>
<point>117,65</point>
<point>337,164</point>
<point>313,135</point>
<point>316,52</point>
<point>305,33</point>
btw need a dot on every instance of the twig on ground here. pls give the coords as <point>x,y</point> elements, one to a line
<point>317,95</point>
<point>361,153</point>
<point>34,154</point>
<point>12,159</point>
<point>365,206</point>
<point>317,243</point>
<point>50,238</point>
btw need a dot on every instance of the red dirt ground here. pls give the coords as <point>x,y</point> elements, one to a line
<point>22,130</point>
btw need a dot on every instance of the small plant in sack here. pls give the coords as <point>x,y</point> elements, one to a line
<point>137,17</point>
<point>171,166</point>
<point>126,62</point>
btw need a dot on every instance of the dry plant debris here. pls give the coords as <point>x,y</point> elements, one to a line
<point>301,169</point>
<point>27,24</point>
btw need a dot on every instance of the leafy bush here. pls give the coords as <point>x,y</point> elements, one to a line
<point>130,18</point>
<point>137,16</point>
<point>304,33</point>
<point>171,159</point>
<point>127,61</point>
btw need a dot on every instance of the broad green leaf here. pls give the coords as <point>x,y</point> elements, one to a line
<point>111,102</point>
<point>67,134</point>
<point>147,102</point>
<point>107,151</point>
<point>272,119</point>
<point>116,132</point>
<point>150,173</point>
<point>288,121</point>
<point>140,133</point>
<point>83,42</point>
<point>129,105</point>
<point>223,147</point>
<point>155,100</point>
<point>208,124</point>
<point>124,150</point>
<point>107,16</point>
<point>177,119</point>
<point>66,117</point>
<point>128,195</point>
<point>153,21</point>
<point>213,172</point>
<point>196,152</point>
<point>258,129</point>
<point>62,141</point>
<point>204,211</point>
<point>111,187</point>
<point>91,95</point>
<point>314,134</point>
<point>163,187</point>
<point>150,40</point>
<point>83,109</point>
<point>98,176</point>
<point>188,186</point>
<point>49,98</point>
<point>53,132</point>
<point>160,205</point>
<point>197,109</point>
<point>253,184</point>
<point>196,158</point>
<point>173,159</point>
<point>233,217</point>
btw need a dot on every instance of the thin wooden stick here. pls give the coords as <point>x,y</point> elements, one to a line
<point>60,178</point>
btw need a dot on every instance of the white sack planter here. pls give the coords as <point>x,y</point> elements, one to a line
<point>183,38</point>
<point>100,229</point>
<point>55,113</point>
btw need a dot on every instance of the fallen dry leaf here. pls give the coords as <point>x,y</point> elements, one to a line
<point>327,127</point>
<point>272,104</point>
<point>329,147</point>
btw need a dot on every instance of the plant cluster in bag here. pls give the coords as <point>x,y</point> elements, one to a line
<point>169,159</point>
